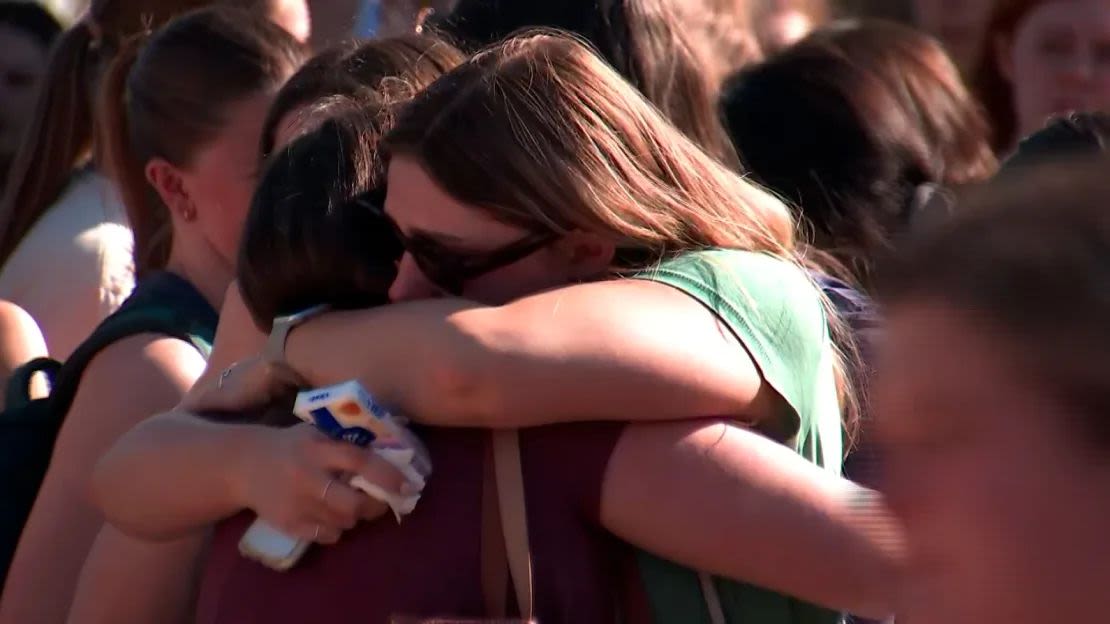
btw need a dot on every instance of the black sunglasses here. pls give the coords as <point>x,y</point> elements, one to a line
<point>451,270</point>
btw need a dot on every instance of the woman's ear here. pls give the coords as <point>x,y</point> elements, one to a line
<point>585,256</point>
<point>169,183</point>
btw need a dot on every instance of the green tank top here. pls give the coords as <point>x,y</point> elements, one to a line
<point>776,312</point>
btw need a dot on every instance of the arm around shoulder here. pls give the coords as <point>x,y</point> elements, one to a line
<point>725,500</point>
<point>614,350</point>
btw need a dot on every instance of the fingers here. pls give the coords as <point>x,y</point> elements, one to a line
<point>381,473</point>
<point>370,508</point>
<point>340,504</point>
<point>317,532</point>
<point>336,456</point>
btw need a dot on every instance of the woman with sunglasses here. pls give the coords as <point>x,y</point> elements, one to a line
<point>614,272</point>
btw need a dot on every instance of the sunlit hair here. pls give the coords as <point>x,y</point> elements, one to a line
<point>817,12</point>
<point>541,133</point>
<point>394,67</point>
<point>674,51</point>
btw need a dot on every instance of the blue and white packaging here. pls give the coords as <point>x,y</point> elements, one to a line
<point>348,412</point>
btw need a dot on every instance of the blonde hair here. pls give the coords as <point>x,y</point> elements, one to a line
<point>541,133</point>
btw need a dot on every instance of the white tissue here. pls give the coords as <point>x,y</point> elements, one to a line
<point>402,460</point>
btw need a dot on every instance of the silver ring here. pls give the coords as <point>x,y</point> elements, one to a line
<point>224,375</point>
<point>327,488</point>
<point>316,534</point>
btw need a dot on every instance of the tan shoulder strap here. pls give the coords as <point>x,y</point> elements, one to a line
<point>712,599</point>
<point>495,563</point>
<point>514,517</point>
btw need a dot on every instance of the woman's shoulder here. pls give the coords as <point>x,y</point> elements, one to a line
<point>173,306</point>
<point>756,290</point>
<point>733,269</point>
<point>83,238</point>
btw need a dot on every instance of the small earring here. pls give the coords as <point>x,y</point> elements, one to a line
<point>189,214</point>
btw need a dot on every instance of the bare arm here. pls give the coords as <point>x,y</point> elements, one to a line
<point>616,350</point>
<point>126,383</point>
<point>237,337</point>
<point>20,342</point>
<point>129,581</point>
<point>214,464</point>
<point>725,500</point>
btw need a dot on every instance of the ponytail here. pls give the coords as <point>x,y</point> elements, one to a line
<point>57,141</point>
<point>148,216</point>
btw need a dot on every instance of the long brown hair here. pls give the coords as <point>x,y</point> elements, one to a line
<point>61,136</point>
<point>664,48</point>
<point>394,68</point>
<point>989,81</point>
<point>920,73</point>
<point>168,97</point>
<point>541,133</point>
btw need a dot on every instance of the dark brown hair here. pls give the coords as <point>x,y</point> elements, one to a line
<point>830,137</point>
<point>395,68</point>
<point>1029,258</point>
<point>61,136</point>
<point>1069,138</point>
<point>989,82</point>
<point>168,97</point>
<point>653,44</point>
<point>927,83</point>
<point>316,233</point>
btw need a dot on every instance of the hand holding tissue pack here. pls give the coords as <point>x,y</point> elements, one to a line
<point>347,412</point>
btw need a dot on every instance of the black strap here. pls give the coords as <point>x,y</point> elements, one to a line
<point>18,391</point>
<point>119,326</point>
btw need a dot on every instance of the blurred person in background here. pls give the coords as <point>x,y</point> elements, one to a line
<point>179,119</point>
<point>918,70</point>
<point>958,24</point>
<point>868,122</point>
<point>993,404</point>
<point>851,126</point>
<point>664,48</point>
<point>1041,58</point>
<point>65,243</point>
<point>781,23</point>
<point>26,33</point>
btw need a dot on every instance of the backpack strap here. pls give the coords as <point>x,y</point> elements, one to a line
<point>18,391</point>
<point>123,324</point>
<point>514,517</point>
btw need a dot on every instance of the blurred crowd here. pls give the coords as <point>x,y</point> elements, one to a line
<point>716,311</point>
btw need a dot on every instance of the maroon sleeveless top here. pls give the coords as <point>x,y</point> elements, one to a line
<point>430,564</point>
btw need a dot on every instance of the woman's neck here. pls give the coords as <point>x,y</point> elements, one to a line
<point>206,271</point>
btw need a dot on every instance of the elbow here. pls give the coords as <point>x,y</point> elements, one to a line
<point>463,388</point>
<point>109,491</point>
